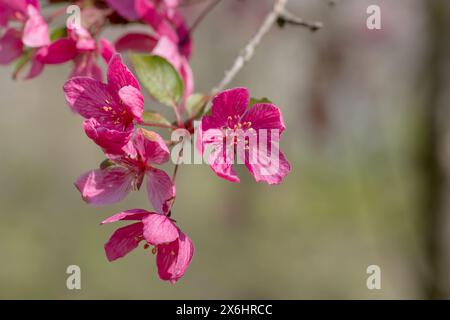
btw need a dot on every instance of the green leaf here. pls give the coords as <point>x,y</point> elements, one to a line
<point>106,164</point>
<point>58,33</point>
<point>254,101</point>
<point>21,62</point>
<point>151,117</point>
<point>159,77</point>
<point>195,105</point>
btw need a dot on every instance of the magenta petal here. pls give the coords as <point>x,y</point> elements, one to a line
<point>264,116</point>
<point>161,190</point>
<point>35,33</point>
<point>133,214</point>
<point>137,42</point>
<point>111,140</point>
<point>267,170</point>
<point>168,49</point>
<point>119,75</point>
<point>102,187</point>
<point>86,66</point>
<point>230,104</point>
<point>87,96</point>
<point>11,46</point>
<point>222,167</point>
<point>36,68</point>
<point>174,258</point>
<point>150,146</point>
<point>107,49</point>
<point>60,51</point>
<point>123,240</point>
<point>125,8</point>
<point>134,100</point>
<point>158,229</point>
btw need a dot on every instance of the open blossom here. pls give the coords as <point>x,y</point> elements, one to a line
<point>111,109</point>
<point>112,184</point>
<point>253,133</point>
<point>174,250</point>
<point>33,32</point>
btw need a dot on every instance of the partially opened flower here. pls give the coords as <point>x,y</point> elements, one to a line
<point>112,184</point>
<point>11,46</point>
<point>251,134</point>
<point>111,109</point>
<point>174,250</point>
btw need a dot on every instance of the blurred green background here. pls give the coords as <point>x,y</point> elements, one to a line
<point>359,107</point>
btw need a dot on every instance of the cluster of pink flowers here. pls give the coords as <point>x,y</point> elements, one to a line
<point>114,114</point>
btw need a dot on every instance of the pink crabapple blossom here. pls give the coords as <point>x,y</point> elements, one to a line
<point>111,110</point>
<point>174,250</point>
<point>112,184</point>
<point>231,118</point>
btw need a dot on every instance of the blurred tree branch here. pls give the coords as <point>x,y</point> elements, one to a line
<point>278,14</point>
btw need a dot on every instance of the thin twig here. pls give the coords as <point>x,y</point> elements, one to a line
<point>202,15</point>
<point>249,50</point>
<point>288,18</point>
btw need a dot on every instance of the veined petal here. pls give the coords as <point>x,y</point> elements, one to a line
<point>174,258</point>
<point>150,146</point>
<point>161,190</point>
<point>269,168</point>
<point>102,187</point>
<point>228,106</point>
<point>134,100</point>
<point>87,96</point>
<point>111,140</point>
<point>264,116</point>
<point>123,240</point>
<point>119,75</point>
<point>159,229</point>
<point>133,214</point>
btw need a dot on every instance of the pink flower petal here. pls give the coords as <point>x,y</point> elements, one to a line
<point>123,240</point>
<point>86,66</point>
<point>271,170</point>
<point>107,49</point>
<point>228,106</point>
<point>161,190</point>
<point>60,51</point>
<point>119,75</point>
<point>133,214</point>
<point>111,140</point>
<point>222,165</point>
<point>134,100</point>
<point>174,258</point>
<point>158,229</point>
<point>137,42</point>
<point>87,96</point>
<point>125,8</point>
<point>264,116</point>
<point>35,33</point>
<point>11,46</point>
<point>150,146</point>
<point>107,186</point>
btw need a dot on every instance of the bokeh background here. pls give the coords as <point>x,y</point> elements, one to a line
<point>367,137</point>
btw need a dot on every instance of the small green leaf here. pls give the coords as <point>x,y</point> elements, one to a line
<point>21,62</point>
<point>151,117</point>
<point>195,105</point>
<point>58,34</point>
<point>159,77</point>
<point>254,101</point>
<point>106,164</point>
